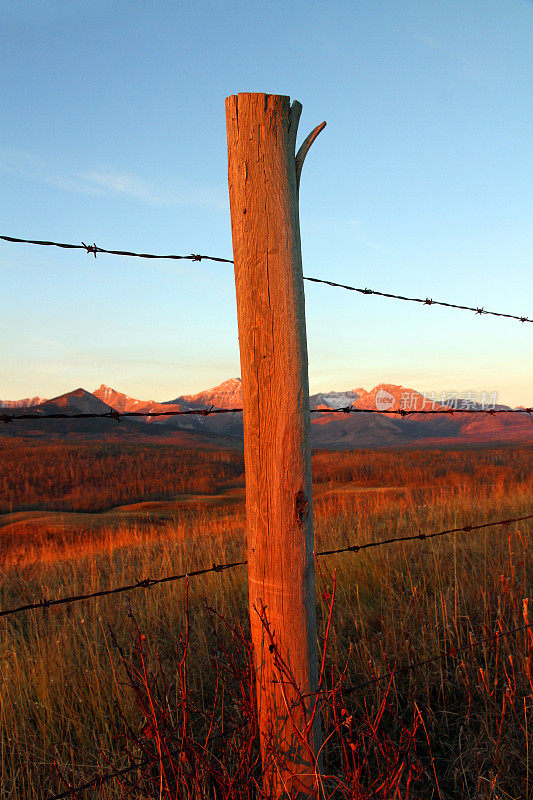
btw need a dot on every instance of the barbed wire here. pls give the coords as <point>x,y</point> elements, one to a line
<point>117,415</point>
<point>94,249</point>
<point>407,412</point>
<point>426,301</point>
<point>356,548</point>
<point>101,778</point>
<point>453,652</point>
<point>147,583</point>
<point>206,412</point>
<point>104,777</point>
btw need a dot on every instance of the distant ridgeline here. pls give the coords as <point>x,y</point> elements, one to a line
<point>329,430</point>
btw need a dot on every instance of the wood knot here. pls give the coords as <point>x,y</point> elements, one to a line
<point>301,506</point>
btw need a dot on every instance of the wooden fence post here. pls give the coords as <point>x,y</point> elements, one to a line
<point>264,174</point>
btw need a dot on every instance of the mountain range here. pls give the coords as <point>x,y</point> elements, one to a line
<point>328,430</point>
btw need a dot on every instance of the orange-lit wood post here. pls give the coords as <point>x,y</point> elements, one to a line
<point>264,174</point>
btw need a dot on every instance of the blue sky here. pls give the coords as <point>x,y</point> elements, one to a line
<point>113,131</point>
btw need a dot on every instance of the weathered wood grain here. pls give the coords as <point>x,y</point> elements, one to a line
<point>263,186</point>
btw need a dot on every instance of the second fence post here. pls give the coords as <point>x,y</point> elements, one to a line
<point>264,174</point>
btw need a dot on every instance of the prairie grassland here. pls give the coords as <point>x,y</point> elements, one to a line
<point>94,477</point>
<point>63,697</point>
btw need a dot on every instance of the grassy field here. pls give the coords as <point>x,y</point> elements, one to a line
<point>65,697</point>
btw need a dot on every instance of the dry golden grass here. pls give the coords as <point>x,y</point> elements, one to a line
<point>94,477</point>
<point>62,697</point>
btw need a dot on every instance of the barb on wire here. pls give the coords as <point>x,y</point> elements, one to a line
<point>404,412</point>
<point>98,780</point>
<point>93,249</point>
<point>145,583</point>
<point>118,415</point>
<point>453,652</point>
<point>426,301</point>
<point>356,548</point>
<point>104,777</point>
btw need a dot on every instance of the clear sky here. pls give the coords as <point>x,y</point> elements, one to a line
<point>112,130</point>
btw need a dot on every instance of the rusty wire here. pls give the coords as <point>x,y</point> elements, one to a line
<point>117,415</point>
<point>104,777</point>
<point>355,548</point>
<point>206,412</point>
<point>146,583</point>
<point>453,652</point>
<point>98,780</point>
<point>404,412</point>
<point>94,249</point>
<point>426,301</point>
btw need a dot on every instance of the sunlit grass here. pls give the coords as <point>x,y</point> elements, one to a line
<point>61,695</point>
